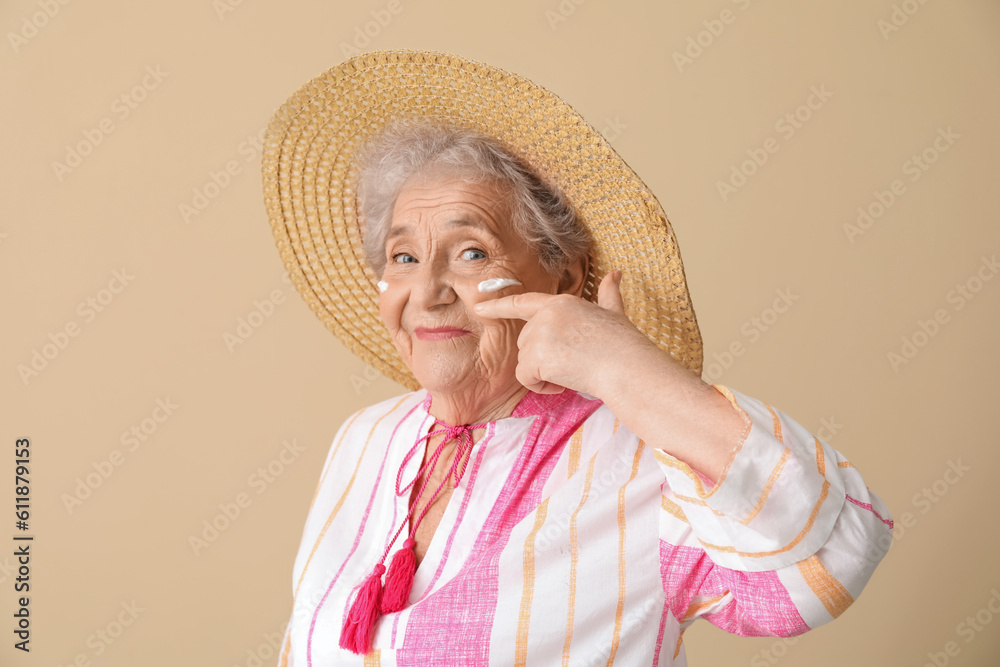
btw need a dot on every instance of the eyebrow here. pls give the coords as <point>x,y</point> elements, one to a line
<point>450,224</point>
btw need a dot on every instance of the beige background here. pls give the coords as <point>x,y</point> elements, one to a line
<point>222,69</point>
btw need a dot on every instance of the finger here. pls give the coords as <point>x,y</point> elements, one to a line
<point>609,294</point>
<point>542,387</point>
<point>519,306</point>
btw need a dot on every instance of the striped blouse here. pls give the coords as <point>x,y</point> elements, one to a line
<point>570,541</point>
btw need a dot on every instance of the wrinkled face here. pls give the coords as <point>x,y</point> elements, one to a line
<point>446,237</point>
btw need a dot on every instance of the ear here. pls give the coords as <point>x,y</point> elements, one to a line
<point>574,276</point>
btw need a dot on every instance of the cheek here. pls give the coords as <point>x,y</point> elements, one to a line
<point>467,289</point>
<point>498,346</point>
<point>390,305</point>
<point>497,337</point>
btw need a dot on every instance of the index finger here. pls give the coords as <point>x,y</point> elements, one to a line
<point>519,306</point>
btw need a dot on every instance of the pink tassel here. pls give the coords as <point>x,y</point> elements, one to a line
<point>359,626</point>
<point>399,581</point>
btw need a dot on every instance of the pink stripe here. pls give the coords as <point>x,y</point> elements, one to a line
<point>762,606</point>
<point>357,540</point>
<point>871,509</point>
<point>452,626</point>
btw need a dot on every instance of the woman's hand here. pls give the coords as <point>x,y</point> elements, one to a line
<point>594,349</point>
<point>567,341</point>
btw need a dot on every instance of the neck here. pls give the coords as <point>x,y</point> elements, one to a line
<point>472,408</point>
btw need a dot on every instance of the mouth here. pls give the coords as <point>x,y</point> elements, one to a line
<point>440,333</point>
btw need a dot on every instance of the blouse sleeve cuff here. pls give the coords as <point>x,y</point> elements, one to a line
<point>775,502</point>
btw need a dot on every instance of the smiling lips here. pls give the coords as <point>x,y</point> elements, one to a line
<point>441,333</point>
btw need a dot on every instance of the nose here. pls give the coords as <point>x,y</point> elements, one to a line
<point>435,286</point>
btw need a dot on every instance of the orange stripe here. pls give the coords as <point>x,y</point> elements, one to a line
<point>621,554</point>
<point>285,650</point>
<point>798,538</point>
<point>677,464</point>
<point>695,607</point>
<point>575,445</point>
<point>373,658</point>
<point>772,478</point>
<point>831,592</point>
<point>777,423</point>
<point>343,497</point>
<point>336,448</point>
<point>677,651</point>
<point>747,423</point>
<point>845,464</point>
<point>820,458</point>
<point>528,590</point>
<point>697,501</point>
<point>673,508</point>
<point>691,499</point>
<point>573,562</point>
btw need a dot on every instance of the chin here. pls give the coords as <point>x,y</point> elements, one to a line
<point>445,377</point>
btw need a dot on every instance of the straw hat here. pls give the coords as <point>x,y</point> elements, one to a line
<point>309,191</point>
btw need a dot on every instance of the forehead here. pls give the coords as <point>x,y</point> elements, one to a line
<point>448,202</point>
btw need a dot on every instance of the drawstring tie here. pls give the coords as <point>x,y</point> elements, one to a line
<point>371,602</point>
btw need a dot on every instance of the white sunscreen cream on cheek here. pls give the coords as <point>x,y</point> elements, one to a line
<point>494,284</point>
<point>382,286</point>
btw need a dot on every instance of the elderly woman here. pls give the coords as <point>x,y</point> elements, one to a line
<point>560,487</point>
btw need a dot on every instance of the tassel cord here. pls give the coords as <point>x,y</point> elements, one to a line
<point>452,432</point>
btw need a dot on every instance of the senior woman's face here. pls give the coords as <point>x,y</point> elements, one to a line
<point>447,236</point>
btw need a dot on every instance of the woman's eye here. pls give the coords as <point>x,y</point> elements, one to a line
<point>402,254</point>
<point>474,251</point>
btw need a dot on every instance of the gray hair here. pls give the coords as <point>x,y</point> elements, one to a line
<point>540,213</point>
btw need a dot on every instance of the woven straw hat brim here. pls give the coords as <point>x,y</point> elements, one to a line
<point>309,179</point>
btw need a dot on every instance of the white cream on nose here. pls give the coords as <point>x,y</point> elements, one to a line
<point>494,284</point>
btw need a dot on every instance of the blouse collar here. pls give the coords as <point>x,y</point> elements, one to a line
<point>530,405</point>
